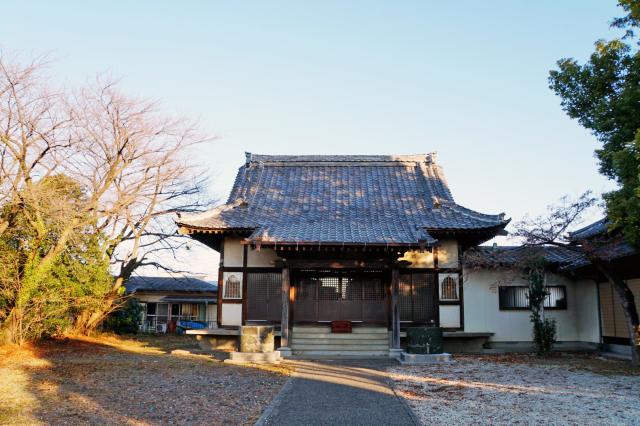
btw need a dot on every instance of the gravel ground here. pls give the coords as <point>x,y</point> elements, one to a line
<point>522,390</point>
<point>109,380</point>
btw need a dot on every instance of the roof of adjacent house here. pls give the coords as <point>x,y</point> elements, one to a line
<point>603,242</point>
<point>599,227</point>
<point>513,256</point>
<point>169,284</point>
<point>332,199</point>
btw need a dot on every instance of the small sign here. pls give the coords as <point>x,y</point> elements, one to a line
<point>341,327</point>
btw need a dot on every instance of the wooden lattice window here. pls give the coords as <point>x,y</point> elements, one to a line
<point>449,287</point>
<point>374,290</point>
<point>264,296</point>
<point>329,288</point>
<point>232,286</point>
<point>417,297</point>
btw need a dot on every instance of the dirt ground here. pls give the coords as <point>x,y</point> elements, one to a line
<point>112,380</point>
<point>565,389</point>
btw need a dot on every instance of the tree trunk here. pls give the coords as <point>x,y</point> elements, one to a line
<point>629,308</point>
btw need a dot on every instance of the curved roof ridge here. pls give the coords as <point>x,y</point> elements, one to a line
<point>394,158</point>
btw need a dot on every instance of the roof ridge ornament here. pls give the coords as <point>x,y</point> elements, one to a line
<point>432,157</point>
<point>248,156</point>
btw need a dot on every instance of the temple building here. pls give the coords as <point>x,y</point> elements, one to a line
<point>376,241</point>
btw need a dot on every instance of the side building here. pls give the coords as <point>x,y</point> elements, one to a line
<point>169,303</point>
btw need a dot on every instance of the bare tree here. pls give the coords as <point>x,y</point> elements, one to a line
<point>130,161</point>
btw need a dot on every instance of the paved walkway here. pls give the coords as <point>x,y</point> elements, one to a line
<point>338,392</point>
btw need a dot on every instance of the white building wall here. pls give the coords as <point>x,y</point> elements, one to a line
<point>579,322</point>
<point>263,258</point>
<point>231,314</point>
<point>232,253</point>
<point>450,316</point>
<point>448,254</point>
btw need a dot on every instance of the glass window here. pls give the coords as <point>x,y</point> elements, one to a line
<point>517,297</point>
<point>151,308</point>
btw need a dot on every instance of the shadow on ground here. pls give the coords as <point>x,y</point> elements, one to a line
<point>116,381</point>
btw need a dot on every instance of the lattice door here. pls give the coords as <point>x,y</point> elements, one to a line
<point>417,297</point>
<point>264,296</point>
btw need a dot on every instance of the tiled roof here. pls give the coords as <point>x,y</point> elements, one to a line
<point>365,199</point>
<point>169,284</point>
<point>599,227</point>
<point>603,243</point>
<point>509,256</point>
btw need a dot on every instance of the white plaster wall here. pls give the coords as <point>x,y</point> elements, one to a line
<point>232,252</point>
<point>450,316</point>
<point>265,257</point>
<point>579,322</point>
<point>231,314</point>
<point>448,254</point>
<point>587,311</point>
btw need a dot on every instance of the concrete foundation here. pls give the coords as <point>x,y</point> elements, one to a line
<point>254,358</point>
<point>421,359</point>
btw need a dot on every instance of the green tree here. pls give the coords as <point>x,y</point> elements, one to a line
<point>603,94</point>
<point>37,304</point>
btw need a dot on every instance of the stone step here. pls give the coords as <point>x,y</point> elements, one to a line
<point>297,340</point>
<point>358,336</point>
<point>340,347</point>
<point>327,330</point>
<point>330,353</point>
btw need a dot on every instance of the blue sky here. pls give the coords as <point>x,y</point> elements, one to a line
<point>467,79</point>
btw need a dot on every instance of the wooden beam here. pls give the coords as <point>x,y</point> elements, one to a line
<point>395,309</point>
<point>284,323</point>
<point>337,264</point>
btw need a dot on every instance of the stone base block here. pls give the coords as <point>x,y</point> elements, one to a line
<point>254,358</point>
<point>285,351</point>
<point>395,353</point>
<point>420,359</point>
<point>256,338</point>
<point>213,343</point>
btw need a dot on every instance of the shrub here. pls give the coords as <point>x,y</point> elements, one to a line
<point>125,319</point>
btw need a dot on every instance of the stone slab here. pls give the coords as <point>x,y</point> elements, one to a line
<point>254,358</point>
<point>421,359</point>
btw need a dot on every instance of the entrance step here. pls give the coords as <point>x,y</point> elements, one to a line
<point>336,353</point>
<point>317,340</point>
<point>342,346</point>
<point>361,336</point>
<point>327,329</point>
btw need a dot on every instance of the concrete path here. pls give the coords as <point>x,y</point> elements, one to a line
<point>338,392</point>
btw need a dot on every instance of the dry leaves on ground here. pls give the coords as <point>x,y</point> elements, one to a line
<point>110,380</point>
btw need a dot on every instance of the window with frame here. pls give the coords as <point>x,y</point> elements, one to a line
<point>449,287</point>
<point>517,297</point>
<point>232,286</point>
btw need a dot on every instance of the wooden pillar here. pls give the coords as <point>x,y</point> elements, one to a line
<point>284,323</point>
<point>395,309</point>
